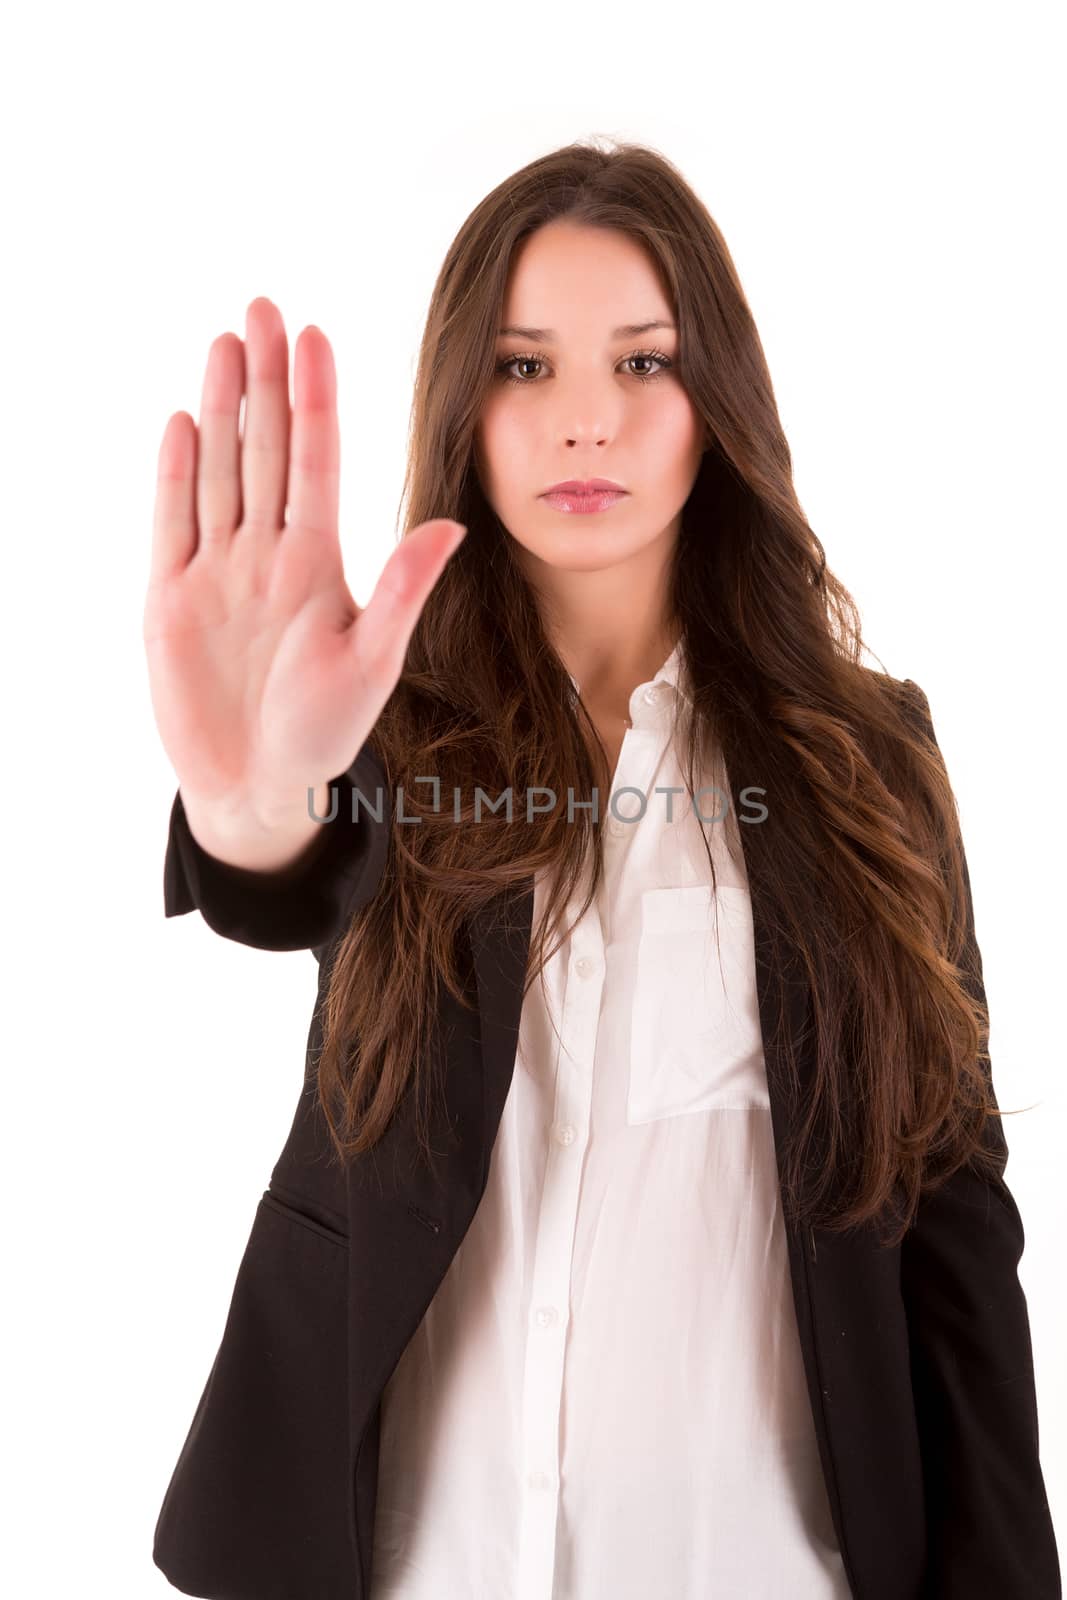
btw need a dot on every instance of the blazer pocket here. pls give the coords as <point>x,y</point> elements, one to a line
<point>695,1039</point>
<point>275,1199</point>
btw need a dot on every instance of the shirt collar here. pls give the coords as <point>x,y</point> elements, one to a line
<point>674,671</point>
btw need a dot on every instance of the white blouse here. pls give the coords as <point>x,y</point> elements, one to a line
<point>606,1396</point>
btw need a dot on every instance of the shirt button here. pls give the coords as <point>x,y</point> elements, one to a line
<point>584,966</point>
<point>565,1134</point>
<point>651,695</point>
<point>539,1480</point>
<point>546,1316</point>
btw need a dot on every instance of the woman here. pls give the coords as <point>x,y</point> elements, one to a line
<point>642,1227</point>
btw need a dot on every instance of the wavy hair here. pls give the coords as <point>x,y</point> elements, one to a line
<point>860,863</point>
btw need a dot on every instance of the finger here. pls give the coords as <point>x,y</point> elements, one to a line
<point>265,446</point>
<point>218,478</point>
<point>381,634</point>
<point>315,444</point>
<point>174,514</point>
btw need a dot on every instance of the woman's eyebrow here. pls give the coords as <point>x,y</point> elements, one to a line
<point>629,330</point>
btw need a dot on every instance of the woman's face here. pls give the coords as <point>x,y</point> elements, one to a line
<point>587,401</point>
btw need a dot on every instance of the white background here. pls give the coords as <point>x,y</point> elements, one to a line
<point>886,179</point>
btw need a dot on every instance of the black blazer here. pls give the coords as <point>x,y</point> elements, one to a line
<point>918,1359</point>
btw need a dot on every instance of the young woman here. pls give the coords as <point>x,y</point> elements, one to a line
<point>642,1227</point>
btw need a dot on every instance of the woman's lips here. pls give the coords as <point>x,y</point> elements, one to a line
<point>567,500</point>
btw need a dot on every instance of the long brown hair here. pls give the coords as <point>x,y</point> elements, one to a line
<point>863,867</point>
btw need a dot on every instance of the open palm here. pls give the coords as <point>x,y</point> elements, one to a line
<point>266,677</point>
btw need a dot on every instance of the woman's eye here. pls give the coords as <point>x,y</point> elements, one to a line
<point>503,367</point>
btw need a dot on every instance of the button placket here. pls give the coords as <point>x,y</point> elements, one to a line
<point>578,1024</point>
<point>639,760</point>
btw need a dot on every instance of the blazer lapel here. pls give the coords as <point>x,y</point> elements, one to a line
<point>785,1006</point>
<point>500,946</point>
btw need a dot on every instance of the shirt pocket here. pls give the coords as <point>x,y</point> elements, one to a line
<point>695,1038</point>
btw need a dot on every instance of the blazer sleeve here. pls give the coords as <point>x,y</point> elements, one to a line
<point>989,1529</point>
<point>305,907</point>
